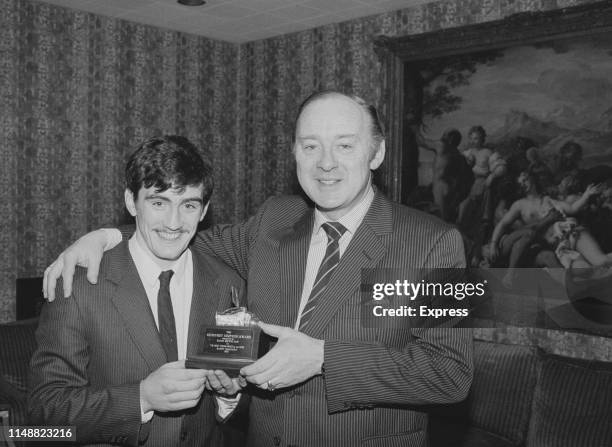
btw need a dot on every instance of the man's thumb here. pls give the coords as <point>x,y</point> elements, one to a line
<point>271,329</point>
<point>178,364</point>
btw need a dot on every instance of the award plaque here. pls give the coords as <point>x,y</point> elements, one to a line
<point>232,343</point>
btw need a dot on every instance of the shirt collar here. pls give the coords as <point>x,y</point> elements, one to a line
<point>147,268</point>
<point>353,218</point>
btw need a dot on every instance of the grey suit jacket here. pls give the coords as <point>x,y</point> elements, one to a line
<point>95,347</point>
<point>374,379</point>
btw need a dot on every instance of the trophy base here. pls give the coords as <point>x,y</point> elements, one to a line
<point>228,348</point>
<point>231,367</point>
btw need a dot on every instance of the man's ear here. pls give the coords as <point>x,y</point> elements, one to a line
<point>379,156</point>
<point>204,211</point>
<point>129,202</point>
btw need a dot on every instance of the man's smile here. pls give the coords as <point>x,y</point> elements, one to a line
<point>329,181</point>
<point>169,235</point>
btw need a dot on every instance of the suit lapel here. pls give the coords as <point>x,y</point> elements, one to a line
<point>131,302</point>
<point>205,299</point>
<point>293,255</point>
<point>364,251</point>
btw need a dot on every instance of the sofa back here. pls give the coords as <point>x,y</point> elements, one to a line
<point>572,405</point>
<point>17,344</point>
<point>523,397</point>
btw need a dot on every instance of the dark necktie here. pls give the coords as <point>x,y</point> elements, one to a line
<point>330,261</point>
<point>165,317</point>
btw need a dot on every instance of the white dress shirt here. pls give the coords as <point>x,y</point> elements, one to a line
<point>181,288</point>
<point>318,242</point>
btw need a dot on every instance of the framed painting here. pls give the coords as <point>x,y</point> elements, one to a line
<point>505,129</point>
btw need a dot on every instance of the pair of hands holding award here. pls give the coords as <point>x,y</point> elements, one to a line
<point>230,348</point>
<point>230,351</point>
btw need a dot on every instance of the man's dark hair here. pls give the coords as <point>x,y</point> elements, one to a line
<point>169,161</point>
<point>376,128</point>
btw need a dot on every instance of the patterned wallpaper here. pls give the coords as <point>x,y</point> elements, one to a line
<point>79,90</point>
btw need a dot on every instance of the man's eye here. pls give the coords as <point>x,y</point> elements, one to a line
<point>191,206</point>
<point>158,204</point>
<point>309,147</point>
<point>346,147</point>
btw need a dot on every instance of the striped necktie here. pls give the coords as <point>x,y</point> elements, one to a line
<point>165,317</point>
<point>331,259</point>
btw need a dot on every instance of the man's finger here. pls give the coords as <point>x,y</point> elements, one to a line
<point>264,379</point>
<point>46,274</point>
<point>177,371</point>
<point>188,374</point>
<point>181,396</point>
<point>214,381</point>
<point>93,267</point>
<point>228,386</point>
<point>223,379</point>
<point>51,274</point>
<point>177,364</point>
<point>68,274</point>
<point>184,386</point>
<point>242,381</point>
<point>273,329</point>
<point>261,365</point>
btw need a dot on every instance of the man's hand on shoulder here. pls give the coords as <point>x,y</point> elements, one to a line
<point>172,387</point>
<point>85,252</point>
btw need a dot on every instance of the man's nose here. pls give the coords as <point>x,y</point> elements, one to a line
<point>327,160</point>
<point>173,218</point>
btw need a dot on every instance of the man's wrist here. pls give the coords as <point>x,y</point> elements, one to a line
<point>112,237</point>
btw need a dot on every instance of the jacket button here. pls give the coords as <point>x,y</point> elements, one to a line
<point>277,440</point>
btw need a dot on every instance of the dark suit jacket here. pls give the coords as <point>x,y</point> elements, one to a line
<point>95,347</point>
<point>374,379</point>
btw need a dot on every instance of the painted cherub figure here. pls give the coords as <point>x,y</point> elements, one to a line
<point>487,165</point>
<point>451,174</point>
